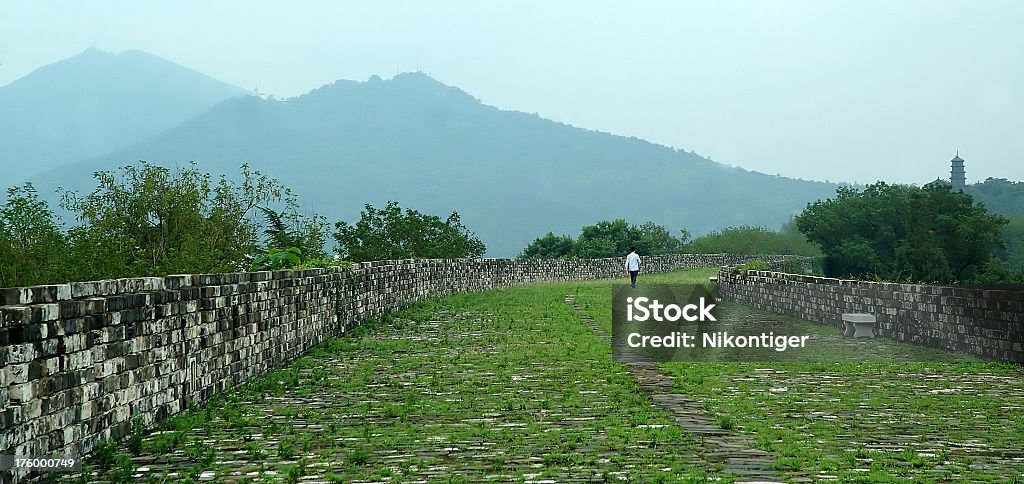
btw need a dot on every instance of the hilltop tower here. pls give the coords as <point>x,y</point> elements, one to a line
<point>957,176</point>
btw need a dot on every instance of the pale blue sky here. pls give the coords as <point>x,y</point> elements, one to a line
<point>839,90</point>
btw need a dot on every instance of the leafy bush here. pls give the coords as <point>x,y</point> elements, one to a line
<point>288,229</point>
<point>278,259</point>
<point>606,239</point>
<point>393,233</point>
<point>550,246</point>
<point>754,265</point>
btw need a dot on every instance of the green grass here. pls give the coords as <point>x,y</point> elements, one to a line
<point>867,421</point>
<point>509,385</point>
<point>499,385</point>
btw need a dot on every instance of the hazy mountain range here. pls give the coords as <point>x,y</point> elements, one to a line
<point>512,176</point>
<point>94,103</point>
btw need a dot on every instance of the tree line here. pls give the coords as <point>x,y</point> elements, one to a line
<point>887,232</point>
<point>606,239</point>
<point>905,233</point>
<point>148,220</point>
<point>614,238</point>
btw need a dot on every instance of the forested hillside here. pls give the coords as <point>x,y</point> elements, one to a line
<point>422,143</point>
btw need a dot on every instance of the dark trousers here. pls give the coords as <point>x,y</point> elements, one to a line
<point>632,277</point>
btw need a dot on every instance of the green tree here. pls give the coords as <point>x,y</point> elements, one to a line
<point>654,239</point>
<point>393,233</point>
<point>278,233</point>
<point>902,232</point>
<point>999,195</point>
<point>33,248</point>
<point>1012,251</point>
<point>549,246</point>
<point>153,220</point>
<point>608,238</point>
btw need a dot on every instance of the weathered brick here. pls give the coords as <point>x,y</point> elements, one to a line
<point>177,281</point>
<point>15,315</point>
<point>50,293</point>
<point>11,296</point>
<point>9,417</point>
<point>18,373</point>
<point>21,392</point>
<point>19,353</point>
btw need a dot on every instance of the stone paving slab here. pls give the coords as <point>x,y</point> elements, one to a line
<point>450,398</point>
<point>946,421</point>
<point>732,452</point>
<point>959,437</point>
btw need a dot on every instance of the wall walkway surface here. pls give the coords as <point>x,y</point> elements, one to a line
<point>82,362</point>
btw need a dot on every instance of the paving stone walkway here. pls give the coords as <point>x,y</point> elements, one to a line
<point>457,397</point>
<point>499,393</point>
<point>864,419</point>
<point>933,424</point>
<point>734,452</point>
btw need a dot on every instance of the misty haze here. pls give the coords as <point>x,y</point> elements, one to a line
<point>389,241</point>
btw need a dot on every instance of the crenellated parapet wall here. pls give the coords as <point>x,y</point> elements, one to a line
<point>986,322</point>
<point>82,362</point>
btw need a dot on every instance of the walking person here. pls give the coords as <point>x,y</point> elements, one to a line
<point>633,265</point>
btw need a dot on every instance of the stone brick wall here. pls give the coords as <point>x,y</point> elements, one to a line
<point>984,322</point>
<point>80,361</point>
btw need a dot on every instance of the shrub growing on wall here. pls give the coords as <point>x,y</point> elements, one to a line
<point>290,232</point>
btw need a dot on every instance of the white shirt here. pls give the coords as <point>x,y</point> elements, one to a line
<point>632,262</point>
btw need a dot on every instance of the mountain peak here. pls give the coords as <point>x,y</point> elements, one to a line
<point>416,76</point>
<point>94,55</point>
<point>96,52</point>
<point>95,102</point>
<point>406,87</point>
<point>88,57</point>
<point>93,52</point>
<point>409,138</point>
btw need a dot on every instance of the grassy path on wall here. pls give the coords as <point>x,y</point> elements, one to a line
<point>504,385</point>
<point>508,385</point>
<point>860,421</point>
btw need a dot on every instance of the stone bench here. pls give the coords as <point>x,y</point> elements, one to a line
<point>859,325</point>
<point>712,279</point>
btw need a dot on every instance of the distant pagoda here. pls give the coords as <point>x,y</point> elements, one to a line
<point>957,177</point>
